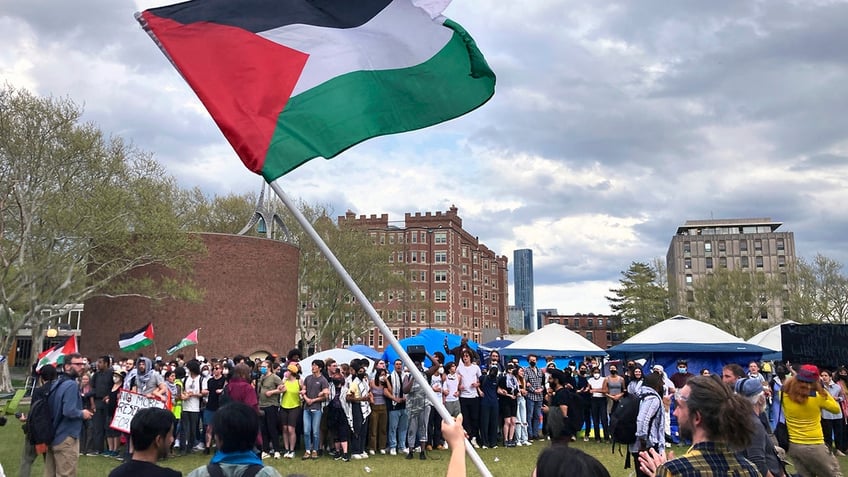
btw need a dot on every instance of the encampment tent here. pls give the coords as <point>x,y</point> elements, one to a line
<point>553,340</point>
<point>368,351</point>
<point>680,337</point>
<point>341,355</point>
<point>432,340</point>
<point>770,339</point>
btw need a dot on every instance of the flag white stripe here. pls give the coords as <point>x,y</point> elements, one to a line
<point>400,36</point>
<point>131,341</point>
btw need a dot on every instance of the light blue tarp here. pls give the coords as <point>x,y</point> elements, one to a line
<point>432,340</point>
<point>366,351</point>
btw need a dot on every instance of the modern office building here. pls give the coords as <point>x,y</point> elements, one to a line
<point>516,318</point>
<point>701,246</point>
<point>523,280</point>
<point>457,284</point>
<point>541,313</point>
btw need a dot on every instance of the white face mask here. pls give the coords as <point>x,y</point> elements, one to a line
<point>596,375</point>
<point>205,373</point>
<point>226,371</point>
<point>441,370</point>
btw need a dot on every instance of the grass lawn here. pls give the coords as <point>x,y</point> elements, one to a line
<point>514,462</point>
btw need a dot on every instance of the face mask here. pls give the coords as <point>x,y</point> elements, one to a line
<point>441,370</point>
<point>532,364</point>
<point>361,375</point>
<point>681,370</point>
<point>263,369</point>
<point>596,375</point>
<point>582,372</point>
<point>226,371</point>
<point>382,379</point>
<point>205,373</point>
<point>613,371</point>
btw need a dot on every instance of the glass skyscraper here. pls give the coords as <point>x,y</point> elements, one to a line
<point>523,279</point>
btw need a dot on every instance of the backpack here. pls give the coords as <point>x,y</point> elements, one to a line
<point>215,470</point>
<point>40,419</point>
<point>225,397</point>
<point>623,420</point>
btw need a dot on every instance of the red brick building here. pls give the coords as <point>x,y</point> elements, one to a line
<point>599,329</point>
<point>249,306</point>
<point>458,284</point>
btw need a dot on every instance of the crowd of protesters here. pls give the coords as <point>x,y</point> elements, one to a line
<point>350,411</point>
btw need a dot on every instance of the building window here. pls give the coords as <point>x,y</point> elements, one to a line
<point>690,296</point>
<point>380,343</point>
<point>423,237</point>
<point>464,285</point>
<point>441,257</point>
<point>465,269</point>
<point>609,337</point>
<point>391,238</point>
<point>414,237</point>
<point>688,279</point>
<point>382,239</point>
<point>440,296</point>
<point>744,262</point>
<point>781,261</point>
<point>759,261</point>
<point>440,316</point>
<point>465,302</point>
<point>687,263</point>
<point>464,252</point>
<point>440,238</point>
<point>475,275</point>
<point>780,244</point>
<point>708,248</point>
<point>709,262</point>
<point>423,256</point>
<point>476,291</point>
<point>422,276</point>
<point>600,322</point>
<point>590,336</point>
<point>758,245</point>
<point>589,323</point>
<point>440,276</point>
<point>400,257</point>
<point>722,246</point>
<point>371,338</point>
<point>687,247</point>
<point>476,322</point>
<point>413,257</point>
<point>722,262</point>
<point>743,245</point>
<point>413,316</point>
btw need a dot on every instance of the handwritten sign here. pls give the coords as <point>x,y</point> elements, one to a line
<point>129,403</point>
<point>822,345</point>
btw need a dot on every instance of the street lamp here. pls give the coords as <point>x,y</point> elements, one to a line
<point>52,332</point>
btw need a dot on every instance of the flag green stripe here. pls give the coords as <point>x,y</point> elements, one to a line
<point>135,345</point>
<point>180,345</point>
<point>327,119</point>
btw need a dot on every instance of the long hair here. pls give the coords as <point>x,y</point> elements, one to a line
<point>725,416</point>
<point>796,390</point>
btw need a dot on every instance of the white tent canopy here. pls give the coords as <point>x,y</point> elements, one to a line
<point>341,355</point>
<point>770,338</point>
<point>553,340</point>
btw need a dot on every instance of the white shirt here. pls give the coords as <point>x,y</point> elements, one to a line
<point>470,374</point>
<point>192,386</point>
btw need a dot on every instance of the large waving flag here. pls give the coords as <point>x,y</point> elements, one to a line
<point>133,340</point>
<point>189,340</point>
<point>51,355</point>
<point>290,80</point>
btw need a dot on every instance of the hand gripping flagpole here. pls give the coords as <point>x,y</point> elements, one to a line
<point>372,313</point>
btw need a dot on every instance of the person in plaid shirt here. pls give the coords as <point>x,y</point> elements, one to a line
<point>717,421</point>
<point>535,378</point>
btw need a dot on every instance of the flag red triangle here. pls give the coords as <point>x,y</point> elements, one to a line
<point>244,85</point>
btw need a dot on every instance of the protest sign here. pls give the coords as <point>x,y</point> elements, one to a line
<point>129,403</point>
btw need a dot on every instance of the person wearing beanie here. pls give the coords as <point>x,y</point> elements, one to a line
<point>761,450</point>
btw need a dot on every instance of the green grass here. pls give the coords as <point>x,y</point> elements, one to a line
<point>514,462</point>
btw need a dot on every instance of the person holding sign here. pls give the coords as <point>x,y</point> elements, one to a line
<point>152,434</point>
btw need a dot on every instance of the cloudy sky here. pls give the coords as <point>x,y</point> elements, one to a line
<point>612,124</point>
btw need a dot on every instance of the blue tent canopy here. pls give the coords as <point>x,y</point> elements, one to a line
<point>432,340</point>
<point>366,351</point>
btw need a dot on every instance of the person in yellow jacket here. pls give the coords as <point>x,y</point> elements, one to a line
<point>803,400</point>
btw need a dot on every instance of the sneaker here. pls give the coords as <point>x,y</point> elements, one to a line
<point>474,443</point>
<point>356,456</point>
<point>839,453</point>
<point>422,456</point>
<point>92,453</point>
<point>485,446</point>
<point>277,455</point>
<point>266,455</point>
<point>408,456</point>
<point>406,450</point>
<point>305,456</point>
<point>393,451</point>
<point>382,451</point>
<point>429,447</point>
<point>339,457</point>
<point>364,455</point>
<point>371,451</point>
<point>314,454</point>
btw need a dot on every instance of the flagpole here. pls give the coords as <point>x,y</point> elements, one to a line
<point>375,317</point>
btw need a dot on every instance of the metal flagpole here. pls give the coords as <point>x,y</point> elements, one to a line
<point>372,313</point>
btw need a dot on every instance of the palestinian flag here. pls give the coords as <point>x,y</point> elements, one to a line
<point>133,340</point>
<point>51,356</point>
<point>189,340</point>
<point>290,80</point>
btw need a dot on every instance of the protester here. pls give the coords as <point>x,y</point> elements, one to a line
<point>419,414</point>
<point>398,416</point>
<point>47,375</point>
<point>716,421</point>
<point>358,396</point>
<point>152,433</point>
<point>190,417</point>
<point>731,373</point>
<point>559,426</point>
<point>650,428</point>
<point>833,423</point>
<point>508,392</point>
<point>761,450</point>
<point>236,425</point>
<point>489,409</point>
<point>803,400</point>
<point>101,384</point>
<point>113,437</point>
<point>269,405</point>
<point>68,414</point>
<point>615,389</point>
<point>469,395</point>
<point>564,461</point>
<point>535,378</point>
<point>290,409</point>
<point>634,386</point>
<point>378,425</point>
<point>599,389</point>
<point>457,351</point>
<point>521,434</point>
<point>682,375</point>
<point>313,393</point>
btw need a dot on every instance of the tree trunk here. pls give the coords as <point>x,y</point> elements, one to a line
<point>5,378</point>
<point>37,343</point>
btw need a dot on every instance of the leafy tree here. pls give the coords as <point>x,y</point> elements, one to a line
<point>736,300</point>
<point>329,313</point>
<point>642,300</point>
<point>222,214</point>
<point>78,210</point>
<point>817,292</point>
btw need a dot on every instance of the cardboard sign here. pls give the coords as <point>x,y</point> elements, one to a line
<point>130,403</point>
<point>823,345</point>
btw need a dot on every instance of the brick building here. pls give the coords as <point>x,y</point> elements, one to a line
<point>599,329</point>
<point>249,306</point>
<point>457,284</point>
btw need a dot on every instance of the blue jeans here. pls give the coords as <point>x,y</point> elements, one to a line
<point>311,429</point>
<point>534,415</point>
<point>398,426</point>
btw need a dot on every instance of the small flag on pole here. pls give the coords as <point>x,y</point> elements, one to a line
<point>133,340</point>
<point>189,340</point>
<point>51,356</point>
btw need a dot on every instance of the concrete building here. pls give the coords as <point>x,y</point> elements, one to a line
<point>458,284</point>
<point>516,317</point>
<point>541,313</point>
<point>523,280</point>
<point>701,246</point>
<point>599,329</point>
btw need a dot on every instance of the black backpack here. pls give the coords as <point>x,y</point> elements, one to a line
<point>215,470</point>
<point>622,421</point>
<point>40,419</point>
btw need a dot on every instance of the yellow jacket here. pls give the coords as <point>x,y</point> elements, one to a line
<point>804,420</point>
